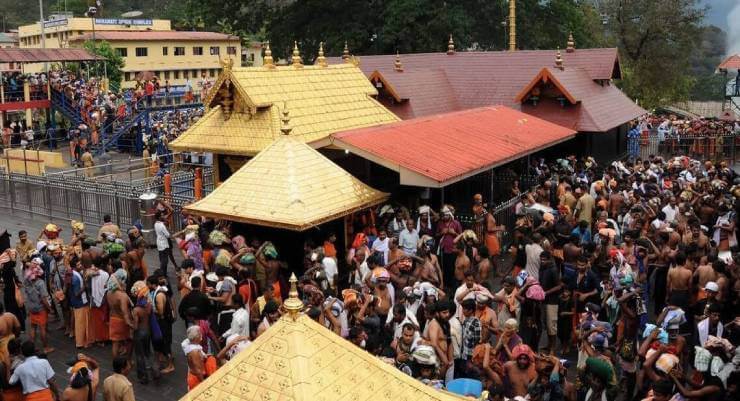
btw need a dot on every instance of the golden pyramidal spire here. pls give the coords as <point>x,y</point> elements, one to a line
<point>451,46</point>
<point>293,305</point>
<point>397,65</point>
<point>559,60</point>
<point>321,60</point>
<point>345,52</point>
<point>285,128</point>
<point>296,58</point>
<point>267,61</point>
<point>571,45</point>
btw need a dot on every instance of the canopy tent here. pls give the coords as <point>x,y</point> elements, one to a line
<point>15,55</point>
<point>297,359</point>
<point>288,185</point>
<point>439,150</point>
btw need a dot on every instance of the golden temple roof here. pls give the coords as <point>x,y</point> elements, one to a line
<point>303,361</point>
<point>323,100</point>
<point>287,185</point>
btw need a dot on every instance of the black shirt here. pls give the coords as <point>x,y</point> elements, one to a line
<point>550,278</point>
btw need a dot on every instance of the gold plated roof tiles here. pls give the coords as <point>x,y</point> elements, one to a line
<point>241,134</point>
<point>323,100</point>
<point>288,185</point>
<point>303,361</point>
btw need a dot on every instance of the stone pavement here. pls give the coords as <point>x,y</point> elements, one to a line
<point>171,387</point>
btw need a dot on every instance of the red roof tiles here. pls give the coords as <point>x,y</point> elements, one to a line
<point>434,83</point>
<point>451,147</point>
<point>730,63</point>
<point>157,35</point>
<point>17,55</point>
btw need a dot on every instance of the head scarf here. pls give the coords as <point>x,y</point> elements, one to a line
<point>117,280</point>
<point>522,349</point>
<point>601,369</point>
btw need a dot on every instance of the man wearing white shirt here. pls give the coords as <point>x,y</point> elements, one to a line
<point>670,210</point>
<point>380,246</point>
<point>408,239</point>
<point>163,244</point>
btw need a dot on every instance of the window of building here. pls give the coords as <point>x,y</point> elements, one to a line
<point>166,75</point>
<point>79,32</point>
<point>165,50</point>
<point>126,76</point>
<point>251,57</point>
<point>186,74</point>
<point>194,74</point>
<point>176,74</point>
<point>179,51</point>
<point>197,51</point>
<point>212,72</point>
<point>141,51</point>
<point>215,51</point>
<point>122,51</point>
<point>231,50</point>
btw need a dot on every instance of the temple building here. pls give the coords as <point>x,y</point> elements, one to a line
<point>573,88</point>
<point>243,115</point>
<point>298,359</point>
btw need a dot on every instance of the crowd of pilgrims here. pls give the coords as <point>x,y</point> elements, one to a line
<point>617,281</point>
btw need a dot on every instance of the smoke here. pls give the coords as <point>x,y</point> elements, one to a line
<point>733,30</point>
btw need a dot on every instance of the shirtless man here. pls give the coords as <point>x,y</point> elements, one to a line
<point>462,262</point>
<point>429,269</point>
<point>385,302</point>
<point>483,264</point>
<point>10,328</point>
<point>703,274</point>
<point>520,371</point>
<point>121,323</point>
<point>697,237</point>
<point>679,280</point>
<point>616,200</point>
<point>135,264</point>
<point>571,250</point>
<point>438,330</point>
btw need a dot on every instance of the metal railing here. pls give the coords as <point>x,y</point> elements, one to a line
<point>78,195</point>
<point>701,147</point>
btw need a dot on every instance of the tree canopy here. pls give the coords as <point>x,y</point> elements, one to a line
<point>665,51</point>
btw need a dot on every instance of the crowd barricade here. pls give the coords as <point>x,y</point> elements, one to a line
<point>75,195</point>
<point>718,148</point>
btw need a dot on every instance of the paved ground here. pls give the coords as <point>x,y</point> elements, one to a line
<point>171,387</point>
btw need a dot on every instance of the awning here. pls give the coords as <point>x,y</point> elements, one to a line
<point>439,150</point>
<point>288,185</point>
<point>16,55</point>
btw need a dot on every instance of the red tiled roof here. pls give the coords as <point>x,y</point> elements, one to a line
<point>730,63</point>
<point>156,35</point>
<point>436,83</point>
<point>602,107</point>
<point>451,147</point>
<point>17,55</point>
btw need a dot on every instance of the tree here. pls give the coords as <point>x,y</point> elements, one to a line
<point>111,66</point>
<point>656,39</point>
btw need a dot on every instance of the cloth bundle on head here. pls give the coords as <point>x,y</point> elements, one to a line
<point>217,238</point>
<point>522,349</point>
<point>673,319</point>
<point>359,240</point>
<point>350,296</point>
<point>78,226</point>
<point>511,324</point>
<point>139,289</point>
<point>40,245</point>
<point>425,355</point>
<point>380,274</point>
<point>223,258</point>
<point>448,210</point>
<point>113,249</point>
<point>601,369</point>
<point>268,249</point>
<point>248,259</point>
<point>666,361</point>
<point>117,280</point>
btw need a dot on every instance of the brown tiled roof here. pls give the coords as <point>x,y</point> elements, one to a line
<point>16,55</point>
<point>433,83</point>
<point>156,35</point>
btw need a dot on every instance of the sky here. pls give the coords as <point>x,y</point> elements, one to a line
<point>718,11</point>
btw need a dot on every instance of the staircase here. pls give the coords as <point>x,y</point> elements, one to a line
<point>69,109</point>
<point>120,128</point>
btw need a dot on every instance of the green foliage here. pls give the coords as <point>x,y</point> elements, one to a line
<point>111,66</point>
<point>656,39</point>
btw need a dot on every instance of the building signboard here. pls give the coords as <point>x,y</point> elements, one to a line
<point>122,21</point>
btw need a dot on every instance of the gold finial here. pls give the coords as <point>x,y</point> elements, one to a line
<point>293,305</point>
<point>512,25</point>
<point>451,46</point>
<point>267,61</point>
<point>285,128</point>
<point>321,60</point>
<point>226,64</point>
<point>345,52</point>
<point>354,60</point>
<point>397,64</point>
<point>559,60</point>
<point>571,46</point>
<point>296,59</point>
